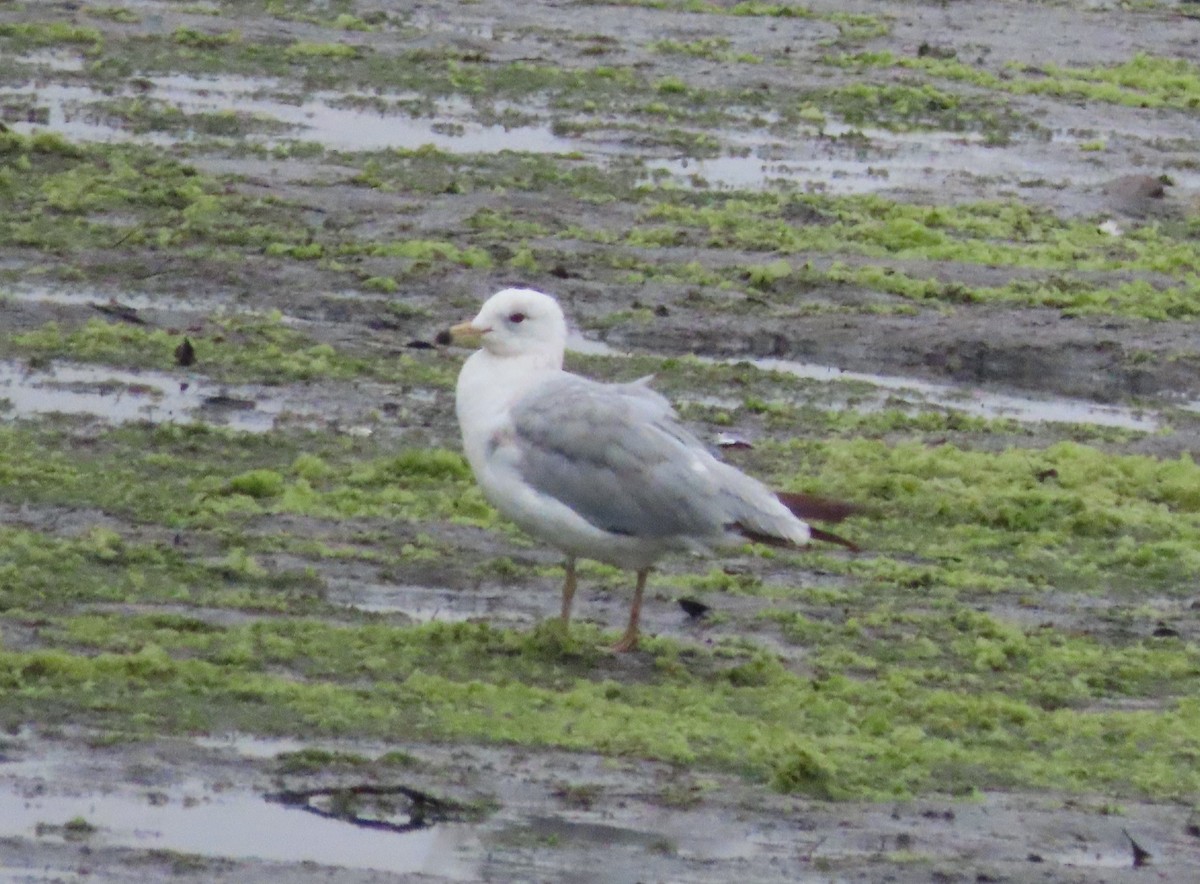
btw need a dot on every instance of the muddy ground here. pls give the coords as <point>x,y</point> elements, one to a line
<point>707,100</point>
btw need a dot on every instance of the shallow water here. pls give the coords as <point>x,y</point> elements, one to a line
<point>980,403</point>
<point>424,604</point>
<point>976,402</point>
<point>192,818</point>
<point>82,297</point>
<point>876,159</point>
<point>319,117</point>
<point>120,396</point>
<point>68,113</point>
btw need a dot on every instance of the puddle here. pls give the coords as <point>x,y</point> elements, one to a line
<point>524,831</point>
<point>67,112</point>
<point>84,298</point>
<point>54,59</point>
<point>326,119</point>
<point>231,824</point>
<point>355,130</point>
<point>899,167</point>
<point>398,809</point>
<point>876,159</point>
<point>250,746</point>
<point>979,403</point>
<point>755,173</point>
<point>119,396</point>
<point>423,604</point>
<point>321,117</point>
<point>846,160</point>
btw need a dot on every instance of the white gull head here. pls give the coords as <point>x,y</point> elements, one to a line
<point>517,322</point>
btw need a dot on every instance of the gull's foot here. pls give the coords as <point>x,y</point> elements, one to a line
<point>628,642</point>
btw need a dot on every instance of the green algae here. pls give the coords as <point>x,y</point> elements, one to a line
<point>236,348</point>
<point>144,114</point>
<point>914,690</point>
<point>1073,295</point>
<point>907,107</point>
<point>345,63</point>
<point>114,204</point>
<point>173,205</point>
<point>852,27</point>
<point>115,13</point>
<point>42,575</point>
<point>878,737</point>
<point>74,199</point>
<point>1143,81</point>
<point>353,681</point>
<point>195,476</point>
<point>1071,258</point>
<point>427,170</point>
<point>712,48</point>
<point>905,689</point>
<point>991,233</point>
<point>38,34</point>
<point>1105,524</point>
<point>312,760</point>
<point>70,198</point>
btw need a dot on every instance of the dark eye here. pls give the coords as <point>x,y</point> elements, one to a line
<point>516,317</point>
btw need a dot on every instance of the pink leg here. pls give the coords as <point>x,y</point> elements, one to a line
<point>629,641</point>
<point>568,592</point>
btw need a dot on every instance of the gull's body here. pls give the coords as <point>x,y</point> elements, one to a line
<point>600,471</point>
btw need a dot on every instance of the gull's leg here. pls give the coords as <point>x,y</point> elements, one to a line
<point>568,593</point>
<point>629,640</point>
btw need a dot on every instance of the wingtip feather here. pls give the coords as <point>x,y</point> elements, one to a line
<point>823,509</point>
<point>830,537</point>
<point>813,533</point>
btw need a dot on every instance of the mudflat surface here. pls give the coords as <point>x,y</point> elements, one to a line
<point>941,259</point>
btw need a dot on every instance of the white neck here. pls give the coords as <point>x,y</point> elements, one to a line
<point>488,385</point>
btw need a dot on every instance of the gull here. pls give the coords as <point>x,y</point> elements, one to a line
<point>602,471</point>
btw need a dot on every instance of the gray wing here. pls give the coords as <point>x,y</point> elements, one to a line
<point>617,455</point>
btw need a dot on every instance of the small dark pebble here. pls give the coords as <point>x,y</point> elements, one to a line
<point>938,814</point>
<point>185,353</point>
<point>928,50</point>
<point>443,338</point>
<point>378,324</point>
<point>693,608</point>
<point>419,345</point>
<point>1035,858</point>
<point>661,311</point>
<point>229,402</point>
<point>117,310</point>
<point>1164,631</point>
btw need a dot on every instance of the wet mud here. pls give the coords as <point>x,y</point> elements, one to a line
<point>83,804</point>
<point>208,809</point>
